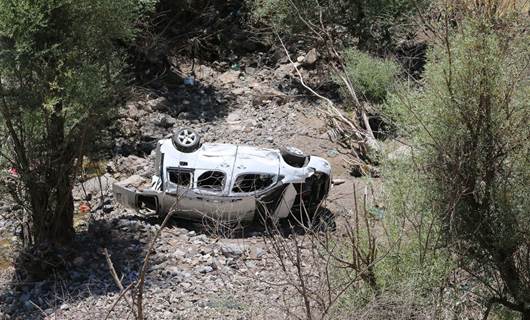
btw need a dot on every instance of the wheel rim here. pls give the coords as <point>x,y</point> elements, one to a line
<point>187,137</point>
<point>295,151</point>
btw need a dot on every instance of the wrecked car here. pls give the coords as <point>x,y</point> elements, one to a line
<point>232,183</point>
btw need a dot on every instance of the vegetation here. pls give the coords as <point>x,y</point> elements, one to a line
<point>378,25</point>
<point>469,129</point>
<point>454,219</point>
<point>371,77</point>
<point>60,73</point>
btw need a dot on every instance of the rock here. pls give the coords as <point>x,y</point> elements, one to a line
<point>256,253</point>
<point>233,249</point>
<point>134,181</point>
<point>233,117</point>
<point>300,59</point>
<point>158,104</point>
<point>228,77</point>
<point>95,186</point>
<point>311,57</point>
<point>131,111</point>
<point>270,139</point>
<point>205,269</point>
<point>185,116</point>
<point>165,121</point>
<point>200,239</point>
<point>79,261</point>
<point>238,91</point>
<point>250,70</point>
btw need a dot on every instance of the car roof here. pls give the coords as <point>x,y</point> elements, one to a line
<point>229,158</point>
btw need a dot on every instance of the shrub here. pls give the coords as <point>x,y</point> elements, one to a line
<point>377,25</point>
<point>60,75</point>
<point>371,77</point>
<point>469,129</point>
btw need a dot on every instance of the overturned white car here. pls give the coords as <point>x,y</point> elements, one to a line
<point>232,183</point>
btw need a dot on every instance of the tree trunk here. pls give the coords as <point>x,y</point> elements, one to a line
<point>53,213</point>
<point>51,196</point>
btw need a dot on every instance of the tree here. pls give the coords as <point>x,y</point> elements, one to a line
<point>377,25</point>
<point>469,126</point>
<point>61,69</point>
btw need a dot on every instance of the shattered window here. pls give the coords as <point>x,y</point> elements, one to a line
<point>181,178</point>
<point>211,180</point>
<point>252,182</point>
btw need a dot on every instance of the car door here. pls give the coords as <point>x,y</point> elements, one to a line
<point>213,187</point>
<point>180,196</point>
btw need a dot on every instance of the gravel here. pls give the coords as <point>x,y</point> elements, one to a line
<point>192,274</point>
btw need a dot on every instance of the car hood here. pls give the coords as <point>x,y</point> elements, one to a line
<point>230,158</point>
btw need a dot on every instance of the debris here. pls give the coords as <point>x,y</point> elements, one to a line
<point>338,182</point>
<point>84,208</point>
<point>189,81</point>
<point>332,153</point>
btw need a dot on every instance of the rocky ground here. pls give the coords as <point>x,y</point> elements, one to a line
<point>193,273</point>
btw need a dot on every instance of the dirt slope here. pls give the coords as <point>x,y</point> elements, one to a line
<point>193,274</point>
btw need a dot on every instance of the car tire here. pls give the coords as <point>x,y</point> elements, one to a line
<point>294,157</point>
<point>186,140</point>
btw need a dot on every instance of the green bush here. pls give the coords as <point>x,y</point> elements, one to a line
<point>376,24</point>
<point>61,74</point>
<point>371,77</point>
<point>469,130</point>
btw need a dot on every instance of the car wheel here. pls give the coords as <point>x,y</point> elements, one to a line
<point>294,157</point>
<point>186,140</point>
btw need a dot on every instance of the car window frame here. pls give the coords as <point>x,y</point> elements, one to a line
<point>198,189</point>
<point>177,186</point>
<point>274,182</point>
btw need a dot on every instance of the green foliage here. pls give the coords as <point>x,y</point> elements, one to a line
<point>378,24</point>
<point>371,77</point>
<point>469,128</point>
<point>61,64</point>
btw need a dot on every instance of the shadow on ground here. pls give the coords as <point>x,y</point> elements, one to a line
<point>47,281</point>
<point>285,227</point>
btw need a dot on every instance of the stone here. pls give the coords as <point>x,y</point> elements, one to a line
<point>158,104</point>
<point>232,249</point>
<point>311,57</point>
<point>238,91</point>
<point>205,269</point>
<point>258,253</point>
<point>228,77</point>
<point>233,117</point>
<point>79,261</point>
<point>133,181</point>
<point>165,121</point>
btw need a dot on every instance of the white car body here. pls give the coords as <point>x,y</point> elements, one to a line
<point>228,182</point>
